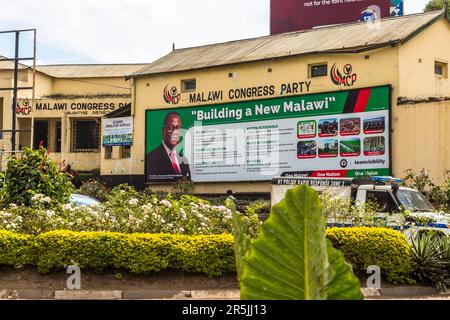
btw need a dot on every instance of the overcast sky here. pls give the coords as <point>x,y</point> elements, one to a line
<point>111,31</point>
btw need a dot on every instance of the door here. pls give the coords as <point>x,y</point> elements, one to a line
<point>40,136</point>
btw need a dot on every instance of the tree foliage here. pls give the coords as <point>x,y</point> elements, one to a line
<point>434,5</point>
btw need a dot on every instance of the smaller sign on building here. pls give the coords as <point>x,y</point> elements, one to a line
<point>117,132</point>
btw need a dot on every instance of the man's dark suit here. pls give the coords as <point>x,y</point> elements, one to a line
<point>159,166</point>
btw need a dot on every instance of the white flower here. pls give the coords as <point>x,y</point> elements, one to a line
<point>37,197</point>
<point>49,213</point>
<point>166,203</point>
<point>67,206</point>
<point>133,202</point>
<point>13,205</point>
<point>170,225</point>
<point>163,221</point>
<point>183,214</point>
<point>222,208</point>
<point>46,200</point>
<point>181,229</point>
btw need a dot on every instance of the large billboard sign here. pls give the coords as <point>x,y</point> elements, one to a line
<point>294,15</point>
<point>335,134</point>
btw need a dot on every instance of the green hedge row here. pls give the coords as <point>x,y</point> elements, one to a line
<point>137,253</point>
<point>386,248</point>
<point>212,255</point>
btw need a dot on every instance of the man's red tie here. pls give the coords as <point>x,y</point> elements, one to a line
<point>175,166</point>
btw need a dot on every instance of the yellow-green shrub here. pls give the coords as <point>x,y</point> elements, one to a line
<point>207,254</point>
<point>137,253</point>
<point>16,249</point>
<point>386,248</point>
<point>212,255</point>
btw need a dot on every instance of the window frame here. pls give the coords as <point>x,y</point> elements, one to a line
<point>108,152</point>
<point>184,86</point>
<point>444,68</point>
<point>73,147</point>
<point>310,70</point>
<point>125,152</point>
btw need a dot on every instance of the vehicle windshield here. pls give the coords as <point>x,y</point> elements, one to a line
<point>414,200</point>
<point>82,200</point>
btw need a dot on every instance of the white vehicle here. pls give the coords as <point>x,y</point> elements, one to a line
<point>383,191</point>
<point>83,200</point>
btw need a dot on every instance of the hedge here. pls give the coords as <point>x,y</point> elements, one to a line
<point>212,255</point>
<point>386,248</point>
<point>137,253</point>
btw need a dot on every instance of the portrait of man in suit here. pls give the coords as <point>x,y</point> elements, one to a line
<point>165,162</point>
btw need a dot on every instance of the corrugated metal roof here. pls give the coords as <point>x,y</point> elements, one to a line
<point>9,65</point>
<point>79,70</point>
<point>89,70</point>
<point>353,36</point>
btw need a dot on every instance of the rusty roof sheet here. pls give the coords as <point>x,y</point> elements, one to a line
<point>338,38</point>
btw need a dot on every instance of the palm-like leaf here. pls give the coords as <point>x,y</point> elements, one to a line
<point>289,260</point>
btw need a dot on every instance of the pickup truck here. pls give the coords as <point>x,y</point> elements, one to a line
<point>384,192</point>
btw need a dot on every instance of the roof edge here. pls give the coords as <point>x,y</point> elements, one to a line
<point>353,50</point>
<point>349,50</point>
<point>443,14</point>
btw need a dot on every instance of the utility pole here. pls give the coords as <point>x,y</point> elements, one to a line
<point>14,106</point>
<point>446,9</point>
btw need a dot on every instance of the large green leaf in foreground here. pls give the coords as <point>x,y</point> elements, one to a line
<point>291,258</point>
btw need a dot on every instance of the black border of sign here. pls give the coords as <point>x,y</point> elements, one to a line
<point>228,103</point>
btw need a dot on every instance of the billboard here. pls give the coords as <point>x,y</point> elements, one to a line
<point>294,15</point>
<point>334,134</point>
<point>117,131</point>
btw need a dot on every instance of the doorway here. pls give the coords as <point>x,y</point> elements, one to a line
<point>40,136</point>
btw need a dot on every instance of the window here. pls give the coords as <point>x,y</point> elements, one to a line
<point>441,69</point>
<point>108,152</point>
<point>382,200</point>
<point>85,135</point>
<point>188,85</point>
<point>318,70</point>
<point>125,152</point>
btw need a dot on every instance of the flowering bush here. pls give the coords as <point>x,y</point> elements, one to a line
<point>30,173</point>
<point>93,188</point>
<point>438,195</point>
<point>126,211</point>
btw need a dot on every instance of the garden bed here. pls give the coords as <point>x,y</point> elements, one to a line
<point>29,278</point>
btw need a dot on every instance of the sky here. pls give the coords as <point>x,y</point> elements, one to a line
<point>137,31</point>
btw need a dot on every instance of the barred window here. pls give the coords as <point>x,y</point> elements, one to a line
<point>85,135</point>
<point>125,152</point>
<point>108,152</point>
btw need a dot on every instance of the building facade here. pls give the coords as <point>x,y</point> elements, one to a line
<point>65,115</point>
<point>396,65</point>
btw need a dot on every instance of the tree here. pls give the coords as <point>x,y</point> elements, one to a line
<point>435,5</point>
